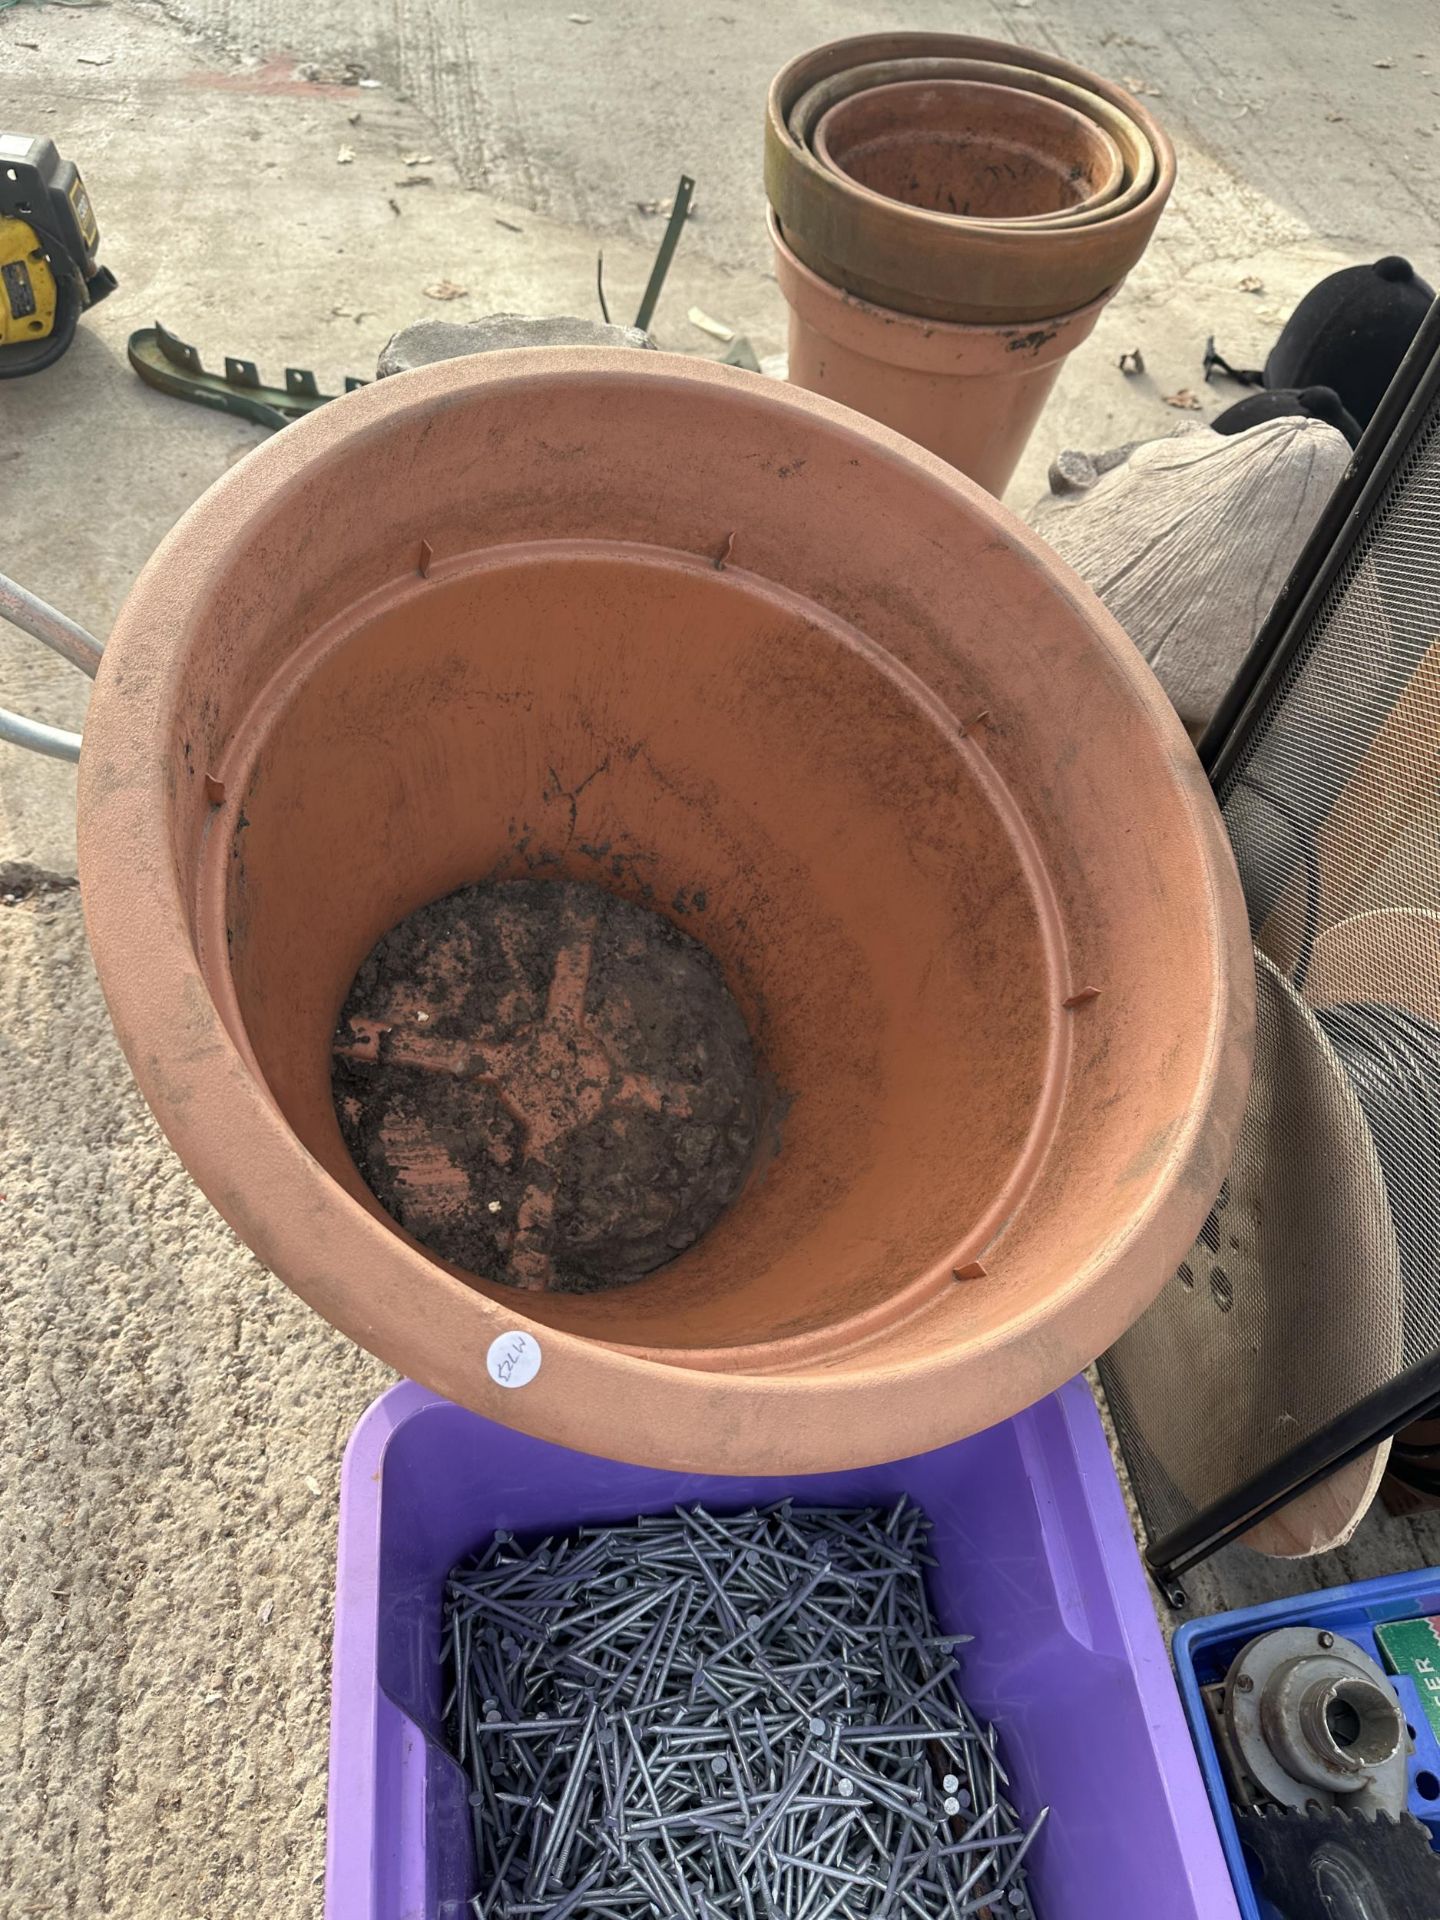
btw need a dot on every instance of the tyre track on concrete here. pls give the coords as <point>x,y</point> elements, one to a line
<point>1327,108</point>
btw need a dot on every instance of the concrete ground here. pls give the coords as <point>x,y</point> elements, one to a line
<point>174,1422</point>
<point>175,1417</point>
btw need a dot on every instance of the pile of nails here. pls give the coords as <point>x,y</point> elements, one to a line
<point>750,1716</point>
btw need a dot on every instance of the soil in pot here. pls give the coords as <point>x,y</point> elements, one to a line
<point>546,1084</point>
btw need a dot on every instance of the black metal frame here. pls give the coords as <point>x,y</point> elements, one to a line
<point>1415,1392</point>
<point>1371,466</point>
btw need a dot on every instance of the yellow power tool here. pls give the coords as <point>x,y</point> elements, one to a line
<point>49,272</point>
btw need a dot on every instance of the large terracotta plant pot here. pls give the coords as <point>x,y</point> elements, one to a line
<point>728,648</point>
<point>970,150</point>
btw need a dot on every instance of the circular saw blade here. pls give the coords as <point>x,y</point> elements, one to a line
<point>1335,1865</point>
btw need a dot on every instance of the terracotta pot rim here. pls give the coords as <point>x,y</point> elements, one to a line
<point>1139,156</point>
<point>316,1235</point>
<point>863,49</point>
<point>1044,108</point>
<point>928,263</point>
<point>951,347</point>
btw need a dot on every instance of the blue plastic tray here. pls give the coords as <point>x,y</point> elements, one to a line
<point>1203,1650</point>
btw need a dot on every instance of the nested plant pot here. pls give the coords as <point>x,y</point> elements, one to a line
<point>917,260</point>
<point>1136,154</point>
<point>971,394</point>
<point>742,658</point>
<point>972,151</point>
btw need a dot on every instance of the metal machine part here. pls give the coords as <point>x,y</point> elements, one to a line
<point>1335,1864</point>
<point>49,272</point>
<point>1308,1720</point>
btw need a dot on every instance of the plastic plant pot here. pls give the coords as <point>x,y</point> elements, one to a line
<point>971,394</point>
<point>970,150</point>
<point>730,649</point>
<point>1036,1560</point>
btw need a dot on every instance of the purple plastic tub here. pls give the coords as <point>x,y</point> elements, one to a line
<point>1036,1560</point>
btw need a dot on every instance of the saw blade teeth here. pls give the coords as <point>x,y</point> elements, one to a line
<point>1303,1853</point>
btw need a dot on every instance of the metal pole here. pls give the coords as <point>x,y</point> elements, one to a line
<point>39,738</point>
<point>43,622</point>
<point>669,240</point>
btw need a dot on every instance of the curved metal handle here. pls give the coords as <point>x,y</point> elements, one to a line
<point>72,642</point>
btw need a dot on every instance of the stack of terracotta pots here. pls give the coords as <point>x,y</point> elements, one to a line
<point>950,216</point>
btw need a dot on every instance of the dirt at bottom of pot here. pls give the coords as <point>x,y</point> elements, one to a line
<point>749,1716</point>
<point>546,1084</point>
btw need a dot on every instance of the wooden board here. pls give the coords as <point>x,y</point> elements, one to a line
<point>1327,1515</point>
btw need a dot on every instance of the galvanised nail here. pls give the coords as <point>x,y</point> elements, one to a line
<point>786,1635</point>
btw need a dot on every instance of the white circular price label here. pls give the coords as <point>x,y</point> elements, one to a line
<point>513,1359</point>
